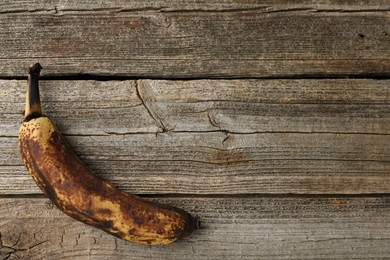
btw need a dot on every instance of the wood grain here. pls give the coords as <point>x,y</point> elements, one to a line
<point>253,106</point>
<point>232,228</point>
<point>266,164</point>
<point>213,163</point>
<point>165,40</point>
<point>8,6</point>
<point>354,106</point>
<point>214,136</point>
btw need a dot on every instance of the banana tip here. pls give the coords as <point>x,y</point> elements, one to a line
<point>35,68</point>
<point>194,224</point>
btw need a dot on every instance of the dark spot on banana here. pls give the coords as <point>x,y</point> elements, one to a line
<point>106,212</point>
<point>138,220</point>
<point>132,231</point>
<point>108,224</point>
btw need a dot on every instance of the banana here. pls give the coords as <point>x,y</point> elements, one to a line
<point>81,194</point>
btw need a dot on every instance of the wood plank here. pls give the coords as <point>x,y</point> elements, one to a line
<point>232,228</point>
<point>82,107</point>
<point>221,136</point>
<point>236,106</point>
<point>215,163</point>
<point>7,6</point>
<point>252,106</point>
<point>284,41</point>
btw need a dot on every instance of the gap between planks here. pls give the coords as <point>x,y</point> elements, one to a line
<point>97,77</point>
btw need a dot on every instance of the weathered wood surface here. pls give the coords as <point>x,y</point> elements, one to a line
<point>233,151</point>
<point>233,228</point>
<point>9,6</point>
<point>214,137</point>
<point>341,106</point>
<point>206,164</point>
<point>172,39</point>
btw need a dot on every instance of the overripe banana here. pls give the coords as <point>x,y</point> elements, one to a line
<point>78,192</point>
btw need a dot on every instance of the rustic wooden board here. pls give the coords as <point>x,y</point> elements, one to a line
<point>232,228</point>
<point>172,40</point>
<point>7,6</point>
<point>253,106</point>
<point>355,106</point>
<point>211,163</point>
<point>213,136</point>
<point>233,151</point>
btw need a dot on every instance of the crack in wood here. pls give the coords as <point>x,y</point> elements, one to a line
<point>158,120</point>
<point>211,116</point>
<point>172,131</point>
<point>77,239</point>
<point>62,239</point>
<point>12,249</point>
<point>116,244</point>
<point>262,8</point>
<point>343,239</point>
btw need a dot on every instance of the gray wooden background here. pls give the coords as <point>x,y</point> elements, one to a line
<point>268,119</point>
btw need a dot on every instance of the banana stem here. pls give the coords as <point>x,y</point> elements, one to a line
<point>33,103</point>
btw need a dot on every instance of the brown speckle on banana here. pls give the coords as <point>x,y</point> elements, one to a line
<point>78,192</point>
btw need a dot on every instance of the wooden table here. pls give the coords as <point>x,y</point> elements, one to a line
<point>270,121</point>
